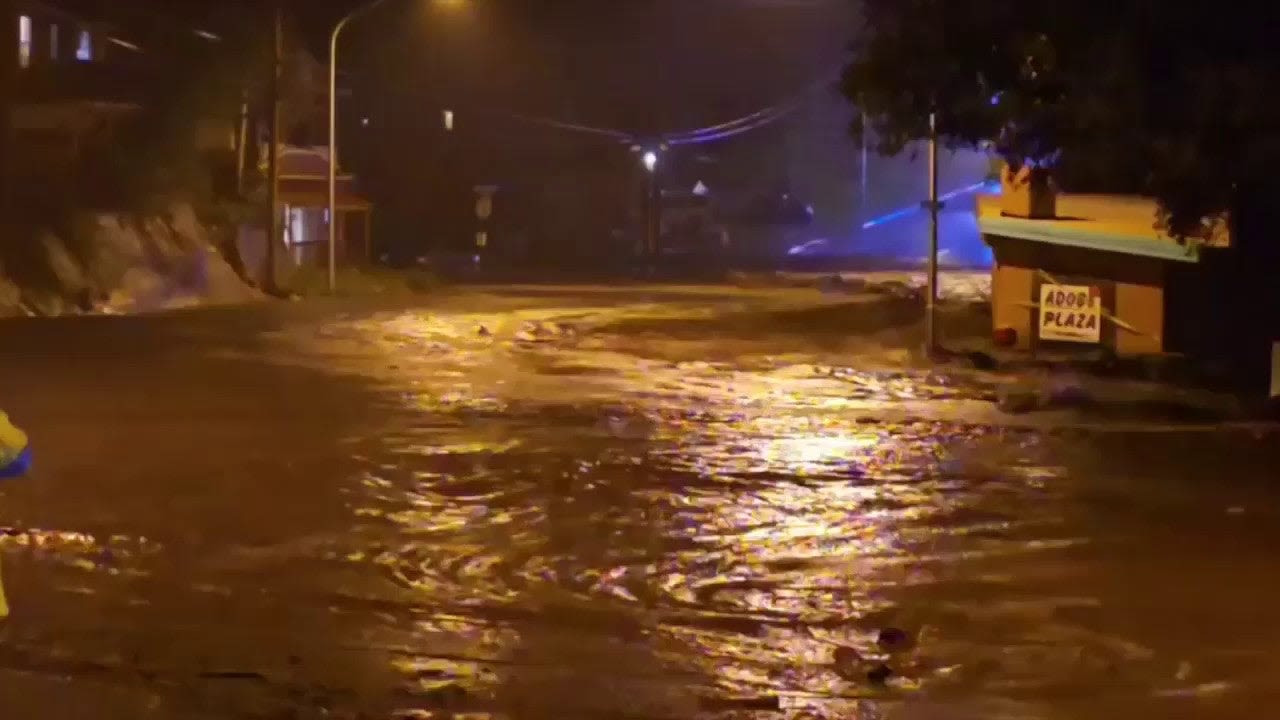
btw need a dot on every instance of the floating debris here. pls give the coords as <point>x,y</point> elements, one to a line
<point>892,639</point>
<point>880,674</point>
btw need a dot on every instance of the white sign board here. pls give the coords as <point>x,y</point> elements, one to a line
<point>1070,313</point>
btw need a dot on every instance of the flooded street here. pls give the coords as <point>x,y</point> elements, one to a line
<point>503,505</point>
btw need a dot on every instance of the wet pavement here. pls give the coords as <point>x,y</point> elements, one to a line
<point>498,506</point>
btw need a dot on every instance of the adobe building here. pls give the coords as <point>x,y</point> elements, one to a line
<point>304,197</point>
<point>1091,272</point>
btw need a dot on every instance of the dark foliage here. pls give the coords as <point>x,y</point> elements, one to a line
<point>1177,100</point>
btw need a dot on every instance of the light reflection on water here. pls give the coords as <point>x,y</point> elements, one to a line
<point>724,551</point>
<point>531,530</point>
<point>544,529</point>
<point>676,534</point>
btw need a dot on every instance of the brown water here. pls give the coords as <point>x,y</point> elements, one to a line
<point>268,514</point>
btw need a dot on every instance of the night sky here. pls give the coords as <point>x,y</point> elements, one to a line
<point>638,65</point>
<point>645,67</point>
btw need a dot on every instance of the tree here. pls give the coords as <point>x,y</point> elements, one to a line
<point>1177,100</point>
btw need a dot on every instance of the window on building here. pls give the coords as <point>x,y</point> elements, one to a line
<point>296,226</point>
<point>24,41</point>
<point>84,46</point>
<point>53,42</point>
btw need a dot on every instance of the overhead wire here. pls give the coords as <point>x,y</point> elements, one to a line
<point>712,133</point>
<point>706,136</point>
<point>575,127</point>
<point>748,123</point>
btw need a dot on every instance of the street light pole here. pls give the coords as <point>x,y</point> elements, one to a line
<point>650,160</point>
<point>274,224</point>
<point>863,190</point>
<point>931,300</point>
<point>333,136</point>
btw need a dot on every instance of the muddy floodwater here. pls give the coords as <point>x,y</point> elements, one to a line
<point>498,506</point>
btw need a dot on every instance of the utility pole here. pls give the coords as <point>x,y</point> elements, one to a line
<point>931,300</point>
<point>8,93</point>
<point>651,219</point>
<point>865,200</point>
<point>273,160</point>
<point>242,143</point>
<point>652,210</point>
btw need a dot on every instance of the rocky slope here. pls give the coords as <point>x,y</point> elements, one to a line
<point>111,263</point>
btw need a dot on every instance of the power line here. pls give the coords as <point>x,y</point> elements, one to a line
<point>754,121</point>
<point>700,137</point>
<point>618,135</point>
<point>712,133</point>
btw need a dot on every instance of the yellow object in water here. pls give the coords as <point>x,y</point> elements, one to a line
<point>4,603</point>
<point>12,440</point>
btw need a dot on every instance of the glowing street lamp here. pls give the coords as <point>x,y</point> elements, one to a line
<point>650,160</point>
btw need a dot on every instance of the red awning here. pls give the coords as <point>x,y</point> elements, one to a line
<point>306,192</point>
<point>346,200</point>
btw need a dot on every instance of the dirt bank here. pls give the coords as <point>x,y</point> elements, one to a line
<point>116,263</point>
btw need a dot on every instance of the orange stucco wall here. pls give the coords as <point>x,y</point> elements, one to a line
<point>1011,290</point>
<point>1142,307</point>
<point>1135,288</point>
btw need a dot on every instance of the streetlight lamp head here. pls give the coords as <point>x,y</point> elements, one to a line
<point>650,160</point>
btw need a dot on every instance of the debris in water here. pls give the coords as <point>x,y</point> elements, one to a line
<point>847,662</point>
<point>845,655</point>
<point>764,702</point>
<point>446,696</point>
<point>1017,400</point>
<point>1201,690</point>
<point>982,361</point>
<point>894,639</point>
<point>880,674</point>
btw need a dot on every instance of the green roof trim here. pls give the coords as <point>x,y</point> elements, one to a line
<point>1047,231</point>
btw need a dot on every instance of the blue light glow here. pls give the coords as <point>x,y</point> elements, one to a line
<point>959,238</point>
<point>890,217</point>
<point>909,211</point>
<point>807,247</point>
